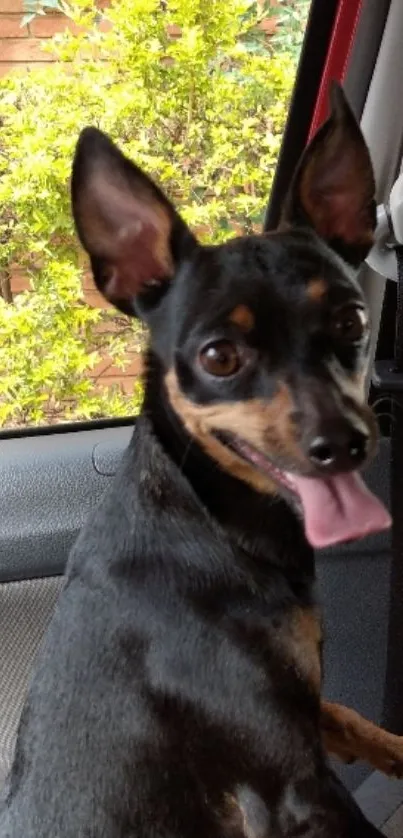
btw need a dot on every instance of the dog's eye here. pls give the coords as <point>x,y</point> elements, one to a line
<point>220,358</point>
<point>349,324</point>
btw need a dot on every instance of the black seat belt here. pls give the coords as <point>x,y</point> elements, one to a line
<point>388,380</point>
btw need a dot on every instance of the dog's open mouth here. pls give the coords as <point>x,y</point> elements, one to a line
<point>256,458</point>
<point>335,509</point>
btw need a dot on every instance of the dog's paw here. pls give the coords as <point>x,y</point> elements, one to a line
<point>390,760</point>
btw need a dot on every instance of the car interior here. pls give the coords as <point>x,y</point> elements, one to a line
<point>50,478</point>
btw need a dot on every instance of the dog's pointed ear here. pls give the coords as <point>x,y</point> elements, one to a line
<point>130,230</point>
<point>333,189</point>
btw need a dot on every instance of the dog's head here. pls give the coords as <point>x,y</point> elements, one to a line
<point>264,339</point>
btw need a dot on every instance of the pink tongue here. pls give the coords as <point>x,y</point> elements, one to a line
<point>339,509</point>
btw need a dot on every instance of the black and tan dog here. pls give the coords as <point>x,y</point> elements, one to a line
<point>178,690</point>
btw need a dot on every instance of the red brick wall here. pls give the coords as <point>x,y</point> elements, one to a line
<point>21,46</point>
<point>105,373</point>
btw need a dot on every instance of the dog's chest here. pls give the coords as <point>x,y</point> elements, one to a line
<point>245,814</point>
<point>298,639</point>
<point>288,637</point>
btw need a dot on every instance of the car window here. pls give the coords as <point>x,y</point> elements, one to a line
<point>195,93</point>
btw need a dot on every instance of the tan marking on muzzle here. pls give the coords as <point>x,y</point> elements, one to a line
<point>351,386</point>
<point>352,401</point>
<point>267,425</point>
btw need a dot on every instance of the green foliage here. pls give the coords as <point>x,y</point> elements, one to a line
<point>195,94</point>
<point>292,17</point>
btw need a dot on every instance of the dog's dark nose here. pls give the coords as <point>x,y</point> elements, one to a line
<point>344,449</point>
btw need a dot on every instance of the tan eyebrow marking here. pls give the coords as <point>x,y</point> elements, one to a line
<point>316,289</point>
<point>243,317</point>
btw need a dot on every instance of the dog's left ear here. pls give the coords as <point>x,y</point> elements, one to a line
<point>129,228</point>
<point>333,189</point>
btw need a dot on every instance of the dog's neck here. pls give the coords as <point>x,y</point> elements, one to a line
<point>264,526</point>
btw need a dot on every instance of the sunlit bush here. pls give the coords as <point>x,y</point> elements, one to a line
<point>196,95</point>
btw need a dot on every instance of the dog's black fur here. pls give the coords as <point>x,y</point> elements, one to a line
<point>178,689</point>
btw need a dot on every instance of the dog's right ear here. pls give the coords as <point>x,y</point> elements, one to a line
<point>133,235</point>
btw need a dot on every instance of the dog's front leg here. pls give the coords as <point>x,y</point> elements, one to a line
<point>349,736</point>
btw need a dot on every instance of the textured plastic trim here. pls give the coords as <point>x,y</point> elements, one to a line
<point>67,427</point>
<point>48,486</point>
